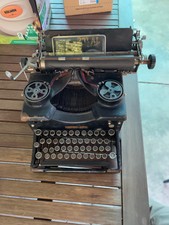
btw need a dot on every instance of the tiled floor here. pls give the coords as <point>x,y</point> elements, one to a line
<point>152,17</point>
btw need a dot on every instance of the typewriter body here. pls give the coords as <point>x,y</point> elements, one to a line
<point>74,100</point>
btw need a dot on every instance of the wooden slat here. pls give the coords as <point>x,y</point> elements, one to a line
<point>8,220</point>
<point>4,77</point>
<point>67,27</point>
<point>10,94</point>
<point>16,141</point>
<point>17,50</point>
<point>15,128</point>
<point>12,85</point>
<point>11,104</point>
<point>14,67</point>
<point>16,155</point>
<point>8,59</point>
<point>24,172</point>
<point>59,211</point>
<point>61,1</point>
<point>61,192</point>
<point>10,116</point>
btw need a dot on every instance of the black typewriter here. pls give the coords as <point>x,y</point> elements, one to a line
<point>74,100</point>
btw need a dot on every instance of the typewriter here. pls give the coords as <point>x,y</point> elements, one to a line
<point>74,100</point>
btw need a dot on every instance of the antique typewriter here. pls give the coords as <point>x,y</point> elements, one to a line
<point>74,100</point>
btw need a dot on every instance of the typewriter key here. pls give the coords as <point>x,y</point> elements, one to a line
<point>101,148</point>
<point>74,141</point>
<point>106,141</point>
<point>66,156</point>
<point>64,133</point>
<point>71,132</point>
<point>112,155</point>
<point>83,133</point>
<point>42,141</point>
<point>63,148</point>
<point>90,133</point>
<point>92,156</point>
<point>98,156</point>
<point>47,156</point>
<point>100,141</point>
<point>38,155</point>
<point>49,141</point>
<point>55,141</point>
<point>73,156</point>
<point>86,141</point>
<point>79,156</point>
<point>80,141</point>
<point>93,141</point>
<point>60,156</point>
<point>82,148</point>
<point>68,141</point>
<point>45,150</point>
<point>102,133</point>
<point>69,148</point>
<point>38,132</point>
<point>52,133</point>
<point>58,132</point>
<point>45,132</point>
<point>36,144</point>
<point>95,148</point>
<point>111,132</point>
<point>61,141</point>
<point>96,133</point>
<point>53,156</point>
<point>77,132</point>
<point>104,156</point>
<point>76,148</point>
<point>51,149</point>
<point>85,156</point>
<point>57,148</point>
<point>88,148</point>
<point>108,148</point>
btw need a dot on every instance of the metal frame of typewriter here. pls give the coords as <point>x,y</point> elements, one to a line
<point>101,75</point>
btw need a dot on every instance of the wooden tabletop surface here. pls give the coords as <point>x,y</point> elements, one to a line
<point>42,198</point>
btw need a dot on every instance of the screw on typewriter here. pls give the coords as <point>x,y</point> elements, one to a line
<point>74,100</point>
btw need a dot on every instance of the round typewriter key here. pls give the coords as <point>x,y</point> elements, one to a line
<point>61,141</point>
<point>49,141</point>
<point>95,148</point>
<point>73,156</point>
<point>45,132</point>
<point>38,155</point>
<point>108,148</point>
<point>55,141</point>
<point>96,133</point>
<point>92,156</point>
<point>63,148</point>
<point>101,148</point>
<point>51,149</point>
<point>58,132</point>
<point>74,141</point>
<point>111,132</point>
<point>83,133</point>
<point>47,156</point>
<point>104,156</point>
<point>68,141</point>
<point>57,148</point>
<point>106,141</point>
<point>77,132</point>
<point>82,148</point>
<point>112,155</point>
<point>98,156</point>
<point>36,145</point>
<point>86,141</point>
<point>60,156</point>
<point>80,141</point>
<point>88,148</point>
<point>93,141</point>
<point>42,141</point>
<point>90,133</point>
<point>64,133</point>
<point>38,132</point>
<point>69,148</point>
<point>102,133</point>
<point>76,148</point>
<point>45,150</point>
<point>85,156</point>
<point>100,141</point>
<point>71,132</point>
<point>79,156</point>
<point>52,133</point>
<point>53,156</point>
<point>66,156</point>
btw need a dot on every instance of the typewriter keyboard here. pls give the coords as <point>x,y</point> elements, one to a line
<point>74,147</point>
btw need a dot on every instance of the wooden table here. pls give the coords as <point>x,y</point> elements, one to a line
<point>28,198</point>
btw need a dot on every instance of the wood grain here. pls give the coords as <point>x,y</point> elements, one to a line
<point>11,104</point>
<point>17,50</point>
<point>11,94</point>
<point>60,211</point>
<point>15,128</point>
<point>17,141</point>
<point>12,85</point>
<point>10,116</point>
